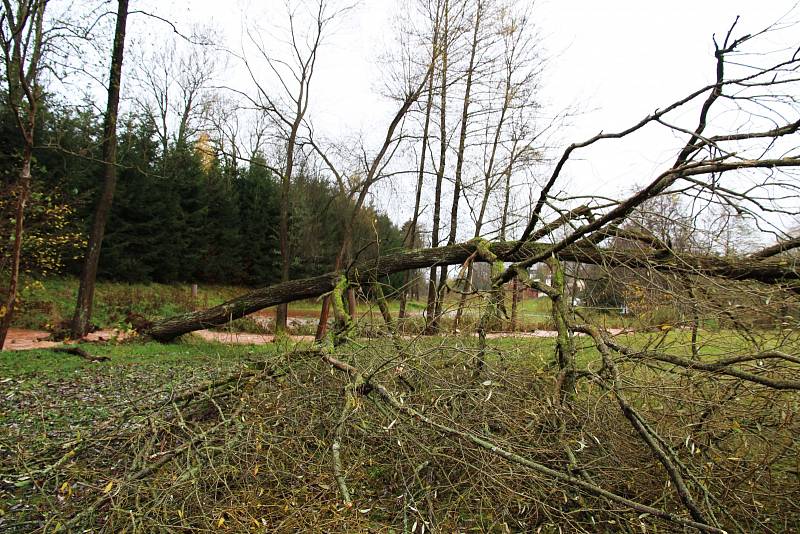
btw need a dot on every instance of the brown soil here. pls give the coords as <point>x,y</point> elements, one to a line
<point>244,338</point>
<point>304,313</point>
<point>20,339</point>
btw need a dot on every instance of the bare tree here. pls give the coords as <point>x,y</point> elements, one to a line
<point>434,16</point>
<point>508,130</point>
<point>477,46</point>
<point>83,309</point>
<point>23,41</point>
<point>434,304</point>
<point>413,86</point>
<point>293,76</point>
<point>173,86</point>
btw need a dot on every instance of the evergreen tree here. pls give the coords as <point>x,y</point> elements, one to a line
<point>143,211</point>
<point>223,244</point>
<point>184,178</point>
<point>179,215</point>
<point>259,252</point>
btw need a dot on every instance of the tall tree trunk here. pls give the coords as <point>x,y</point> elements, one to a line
<point>487,191</point>
<point>23,191</point>
<point>322,325</point>
<point>462,141</point>
<point>22,47</point>
<point>352,305</point>
<point>434,301</point>
<point>503,236</point>
<point>565,346</point>
<point>504,217</point>
<point>83,308</point>
<point>282,311</point>
<point>401,312</point>
<point>412,230</point>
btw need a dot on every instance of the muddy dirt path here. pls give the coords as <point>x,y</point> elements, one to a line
<point>21,339</point>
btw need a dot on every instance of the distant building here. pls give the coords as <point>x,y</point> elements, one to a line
<point>205,151</point>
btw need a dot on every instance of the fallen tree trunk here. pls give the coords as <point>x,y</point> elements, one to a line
<point>768,271</point>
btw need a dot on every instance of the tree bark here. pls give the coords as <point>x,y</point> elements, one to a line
<point>303,77</point>
<point>412,230</point>
<point>83,308</point>
<point>324,315</point>
<point>514,304</point>
<point>22,48</point>
<point>282,312</point>
<point>7,313</point>
<point>765,271</point>
<point>434,299</point>
<point>565,346</point>
<point>462,141</point>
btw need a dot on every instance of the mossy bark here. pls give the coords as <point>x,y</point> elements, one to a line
<point>766,271</point>
<point>565,346</point>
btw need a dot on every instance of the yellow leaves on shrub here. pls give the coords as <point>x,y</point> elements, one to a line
<point>51,234</point>
<point>65,490</point>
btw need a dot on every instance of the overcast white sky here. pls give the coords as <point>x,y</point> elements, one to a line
<point>621,59</point>
<point>614,60</point>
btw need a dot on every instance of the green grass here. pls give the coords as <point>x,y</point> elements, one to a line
<point>191,352</point>
<point>540,306</point>
<point>46,303</point>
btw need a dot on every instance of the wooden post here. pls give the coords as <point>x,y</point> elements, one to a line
<point>514,302</point>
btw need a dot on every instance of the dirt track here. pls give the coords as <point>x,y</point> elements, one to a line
<point>21,339</point>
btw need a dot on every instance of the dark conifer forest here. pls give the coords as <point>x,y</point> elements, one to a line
<point>180,215</point>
